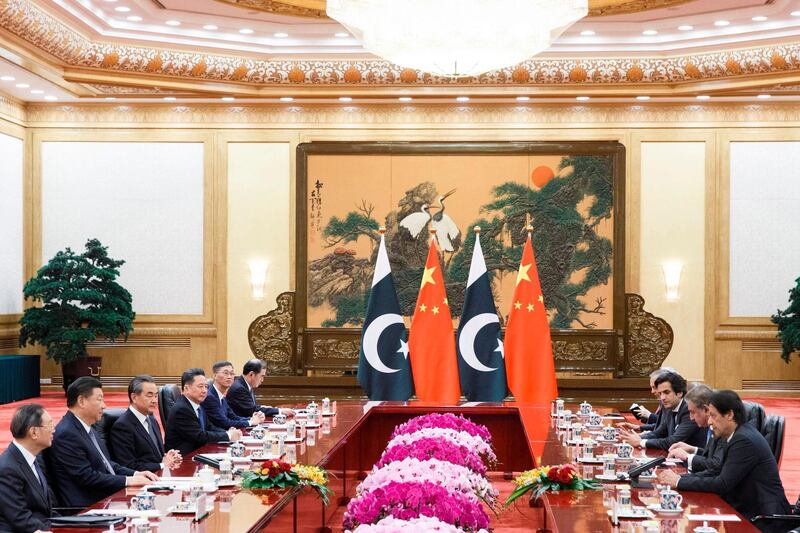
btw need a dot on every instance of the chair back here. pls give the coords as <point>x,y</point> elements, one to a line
<point>103,427</point>
<point>773,431</point>
<point>167,396</point>
<point>754,412</point>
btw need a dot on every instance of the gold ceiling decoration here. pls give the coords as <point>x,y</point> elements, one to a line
<point>316,8</point>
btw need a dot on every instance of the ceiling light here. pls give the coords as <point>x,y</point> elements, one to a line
<point>246,31</point>
<point>173,23</point>
<point>287,99</point>
<point>111,98</point>
<point>703,97</point>
<point>764,96</point>
<point>23,85</point>
<point>685,27</point>
<point>7,78</point>
<point>228,98</point>
<point>523,98</point>
<point>169,98</point>
<point>481,36</point>
<point>109,1</point>
<point>721,23</point>
<point>50,97</point>
<point>795,13</point>
<point>759,18</point>
<point>405,98</point>
<point>37,91</point>
<point>341,34</point>
<point>122,9</point>
<point>650,32</point>
<point>210,27</point>
<point>462,99</point>
<point>581,98</point>
<point>280,35</point>
<point>134,18</point>
<point>643,97</point>
<point>587,33</point>
<point>345,99</point>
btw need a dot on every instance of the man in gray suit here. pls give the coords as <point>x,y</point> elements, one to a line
<point>700,458</point>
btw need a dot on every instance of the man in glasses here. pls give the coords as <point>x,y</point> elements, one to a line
<point>26,500</point>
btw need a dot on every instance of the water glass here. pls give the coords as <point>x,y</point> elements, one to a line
<point>624,498</point>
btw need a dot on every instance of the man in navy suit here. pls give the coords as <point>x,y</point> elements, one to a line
<point>26,500</point>
<point>217,407</point>
<point>650,421</point>
<point>188,425</point>
<point>709,456</point>
<point>675,426</point>
<point>748,478</point>
<point>136,436</point>
<point>83,469</point>
<point>241,396</point>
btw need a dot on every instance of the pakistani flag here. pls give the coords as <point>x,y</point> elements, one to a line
<point>384,371</point>
<point>481,368</point>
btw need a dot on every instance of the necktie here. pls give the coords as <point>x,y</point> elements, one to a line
<point>40,474</point>
<point>152,432</point>
<point>100,451</point>
<point>201,418</point>
<point>709,436</point>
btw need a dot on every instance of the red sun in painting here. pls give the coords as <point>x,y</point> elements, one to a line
<point>542,175</point>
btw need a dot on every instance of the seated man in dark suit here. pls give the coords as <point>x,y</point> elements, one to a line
<point>748,479</point>
<point>136,436</point>
<point>188,426</point>
<point>650,421</point>
<point>215,404</point>
<point>84,471</point>
<point>675,426</point>
<point>241,396</point>
<point>709,456</point>
<point>26,500</point>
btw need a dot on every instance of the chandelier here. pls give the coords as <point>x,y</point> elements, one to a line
<point>456,37</point>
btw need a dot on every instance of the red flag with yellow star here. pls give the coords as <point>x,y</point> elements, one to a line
<point>431,343</point>
<point>530,368</point>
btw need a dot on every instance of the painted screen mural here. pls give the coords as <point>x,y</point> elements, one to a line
<point>569,200</point>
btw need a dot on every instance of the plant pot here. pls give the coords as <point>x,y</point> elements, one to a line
<point>87,366</point>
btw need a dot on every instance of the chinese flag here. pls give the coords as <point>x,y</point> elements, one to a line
<point>431,343</point>
<point>530,367</point>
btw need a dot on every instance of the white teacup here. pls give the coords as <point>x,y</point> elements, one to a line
<point>624,450</point>
<point>610,433</point>
<point>258,432</point>
<point>236,449</point>
<point>143,501</point>
<point>279,419</point>
<point>595,419</point>
<point>670,499</point>
<point>206,474</point>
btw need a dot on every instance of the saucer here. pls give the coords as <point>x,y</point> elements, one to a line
<point>635,512</point>
<point>192,509</point>
<point>224,484</point>
<point>625,459</point>
<point>657,508</point>
<point>606,441</point>
<point>604,477</point>
<point>592,426</point>
<point>595,460</point>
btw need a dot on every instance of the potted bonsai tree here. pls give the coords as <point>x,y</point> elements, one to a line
<point>79,302</point>
<point>788,322</point>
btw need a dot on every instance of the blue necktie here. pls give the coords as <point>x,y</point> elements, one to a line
<point>709,436</point>
<point>202,418</point>
<point>100,451</point>
<point>42,479</point>
<point>153,429</point>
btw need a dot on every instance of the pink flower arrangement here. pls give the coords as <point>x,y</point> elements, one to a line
<point>454,478</point>
<point>445,421</point>
<point>434,448</point>
<point>462,438</point>
<point>423,524</point>
<point>407,501</point>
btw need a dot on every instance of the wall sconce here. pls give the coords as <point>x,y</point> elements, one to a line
<point>672,278</point>
<point>258,277</point>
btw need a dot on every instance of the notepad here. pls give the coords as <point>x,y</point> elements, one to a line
<point>713,518</point>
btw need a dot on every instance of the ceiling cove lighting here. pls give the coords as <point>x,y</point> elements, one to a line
<point>703,97</point>
<point>245,31</point>
<point>405,98</point>
<point>764,96</point>
<point>345,99</point>
<point>122,9</point>
<point>287,99</point>
<point>462,99</point>
<point>650,32</point>
<point>173,23</point>
<point>51,98</point>
<point>280,35</point>
<point>134,18</point>
<point>582,98</point>
<point>587,33</point>
<point>23,85</point>
<point>523,98</point>
<point>759,18</point>
<point>685,27</point>
<point>7,78</point>
<point>169,98</point>
<point>341,34</point>
<point>456,38</point>
<point>210,27</point>
<point>228,98</point>
<point>643,97</point>
<point>721,23</point>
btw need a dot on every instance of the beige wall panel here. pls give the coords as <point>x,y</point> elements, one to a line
<point>259,215</point>
<point>672,192</point>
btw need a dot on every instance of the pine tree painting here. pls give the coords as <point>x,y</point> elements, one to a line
<point>566,207</point>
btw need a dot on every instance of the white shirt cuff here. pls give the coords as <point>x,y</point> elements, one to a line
<point>689,461</point>
<point>643,444</point>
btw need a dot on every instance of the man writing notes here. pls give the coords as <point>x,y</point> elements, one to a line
<point>675,425</point>
<point>136,435</point>
<point>26,500</point>
<point>748,478</point>
<point>709,456</point>
<point>217,407</point>
<point>84,471</point>
<point>241,396</point>
<point>188,426</point>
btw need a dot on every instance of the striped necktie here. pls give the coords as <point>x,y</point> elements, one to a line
<point>100,451</point>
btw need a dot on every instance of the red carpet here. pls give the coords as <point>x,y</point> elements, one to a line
<point>789,408</point>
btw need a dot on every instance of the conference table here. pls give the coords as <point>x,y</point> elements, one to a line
<point>349,443</point>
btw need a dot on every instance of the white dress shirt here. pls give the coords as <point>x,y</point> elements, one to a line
<point>143,421</point>
<point>29,458</point>
<point>643,442</point>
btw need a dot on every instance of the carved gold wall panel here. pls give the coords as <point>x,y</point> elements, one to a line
<point>271,336</point>
<point>649,338</point>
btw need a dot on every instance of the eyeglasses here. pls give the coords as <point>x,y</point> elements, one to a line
<point>50,427</point>
<point>227,373</point>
